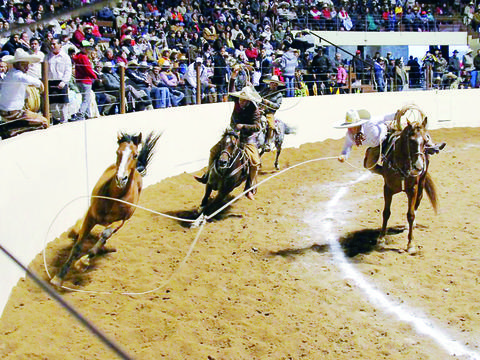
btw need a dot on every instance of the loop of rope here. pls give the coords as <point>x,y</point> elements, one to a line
<point>199,222</point>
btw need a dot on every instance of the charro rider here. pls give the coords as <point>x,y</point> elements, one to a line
<point>271,102</point>
<point>13,93</point>
<point>246,118</point>
<point>362,129</point>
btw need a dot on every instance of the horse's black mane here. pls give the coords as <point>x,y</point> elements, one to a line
<point>230,132</point>
<point>124,137</point>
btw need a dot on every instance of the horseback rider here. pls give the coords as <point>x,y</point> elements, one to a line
<point>271,102</point>
<point>246,118</point>
<point>362,129</point>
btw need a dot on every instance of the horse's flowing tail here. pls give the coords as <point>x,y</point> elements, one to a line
<point>290,129</point>
<point>146,153</point>
<point>431,192</point>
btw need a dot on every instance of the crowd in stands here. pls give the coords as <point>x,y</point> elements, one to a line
<point>161,47</point>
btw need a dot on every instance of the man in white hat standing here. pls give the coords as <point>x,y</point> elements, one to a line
<point>362,129</point>
<point>13,94</point>
<point>246,118</point>
<point>271,102</point>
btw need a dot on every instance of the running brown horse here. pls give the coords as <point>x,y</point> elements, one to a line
<point>229,169</point>
<point>122,181</point>
<point>405,168</point>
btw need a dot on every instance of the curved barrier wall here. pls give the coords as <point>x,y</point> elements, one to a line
<point>43,171</point>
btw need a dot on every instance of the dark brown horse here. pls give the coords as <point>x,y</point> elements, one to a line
<point>406,169</point>
<point>123,181</point>
<point>229,168</point>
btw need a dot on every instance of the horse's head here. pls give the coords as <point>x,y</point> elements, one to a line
<point>412,148</point>
<point>127,154</point>
<point>229,144</point>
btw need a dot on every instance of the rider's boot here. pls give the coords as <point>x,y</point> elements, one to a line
<point>435,149</point>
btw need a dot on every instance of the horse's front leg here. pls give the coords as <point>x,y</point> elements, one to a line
<point>277,155</point>
<point>387,195</point>
<point>82,263</point>
<point>412,207</point>
<point>208,191</point>
<point>87,226</point>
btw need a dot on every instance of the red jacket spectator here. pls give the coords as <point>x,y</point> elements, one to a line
<point>251,52</point>
<point>83,69</point>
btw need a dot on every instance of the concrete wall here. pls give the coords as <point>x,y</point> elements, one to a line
<point>48,175</point>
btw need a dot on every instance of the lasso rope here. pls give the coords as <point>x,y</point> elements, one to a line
<point>199,222</point>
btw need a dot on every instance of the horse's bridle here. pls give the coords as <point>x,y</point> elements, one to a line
<point>231,160</point>
<point>409,171</point>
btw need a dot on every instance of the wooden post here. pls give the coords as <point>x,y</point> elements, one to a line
<point>122,90</point>
<point>199,84</point>
<point>46,100</point>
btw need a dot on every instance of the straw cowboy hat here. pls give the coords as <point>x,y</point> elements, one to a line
<point>247,93</point>
<point>21,56</point>
<point>354,118</point>
<point>273,79</point>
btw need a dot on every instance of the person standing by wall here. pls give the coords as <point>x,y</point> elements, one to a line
<point>59,75</point>
<point>288,64</point>
<point>84,76</point>
<point>476,70</point>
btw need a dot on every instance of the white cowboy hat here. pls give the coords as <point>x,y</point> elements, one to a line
<point>354,118</point>
<point>21,56</point>
<point>273,79</point>
<point>248,93</point>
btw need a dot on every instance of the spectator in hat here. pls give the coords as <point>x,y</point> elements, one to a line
<point>137,78</point>
<point>320,66</point>
<point>454,63</point>
<point>105,101</point>
<point>84,76</point>
<point>191,80</point>
<point>159,91</point>
<point>13,94</point>
<point>108,90</point>
<point>219,78</point>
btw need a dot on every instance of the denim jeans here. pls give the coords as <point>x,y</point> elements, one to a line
<point>86,91</point>
<point>290,84</point>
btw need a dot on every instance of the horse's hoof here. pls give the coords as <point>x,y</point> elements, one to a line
<point>82,263</point>
<point>56,281</point>
<point>381,242</point>
<point>412,250</point>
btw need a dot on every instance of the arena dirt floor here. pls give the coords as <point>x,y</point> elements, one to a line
<point>264,280</point>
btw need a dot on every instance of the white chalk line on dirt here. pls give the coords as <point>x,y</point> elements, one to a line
<point>421,323</point>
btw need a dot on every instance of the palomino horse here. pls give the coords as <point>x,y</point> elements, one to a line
<point>122,181</point>
<point>405,168</point>
<point>229,168</point>
<point>281,129</point>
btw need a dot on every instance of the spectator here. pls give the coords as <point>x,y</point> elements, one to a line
<point>219,78</point>
<point>12,44</point>
<point>13,95</point>
<point>191,80</point>
<point>345,20</point>
<point>341,78</point>
<point>59,76</point>
<point>171,82</point>
<point>251,52</point>
<point>84,76</point>
<point>321,66</point>
<point>35,69</point>
<point>358,66</point>
<point>379,68</point>
<point>476,70</point>
<point>454,64</point>
<point>78,35</point>
<point>158,89</point>
<point>137,77</point>
<point>3,70</point>
<point>414,72</point>
<point>288,64</point>
<point>105,100</point>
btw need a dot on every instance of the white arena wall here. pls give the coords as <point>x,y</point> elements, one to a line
<point>47,175</point>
